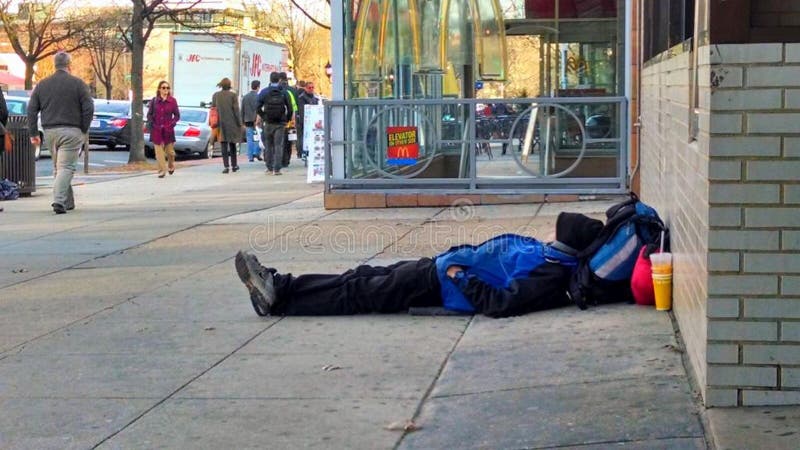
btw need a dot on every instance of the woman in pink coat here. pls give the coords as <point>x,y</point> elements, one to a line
<point>162,116</point>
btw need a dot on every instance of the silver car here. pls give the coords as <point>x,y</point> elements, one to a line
<point>19,106</point>
<point>192,135</point>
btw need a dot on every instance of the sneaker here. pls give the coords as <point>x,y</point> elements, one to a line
<point>225,170</point>
<point>235,168</point>
<point>277,172</point>
<point>268,172</point>
<point>59,208</point>
<point>258,281</point>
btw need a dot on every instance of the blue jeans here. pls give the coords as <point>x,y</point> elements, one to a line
<point>252,145</point>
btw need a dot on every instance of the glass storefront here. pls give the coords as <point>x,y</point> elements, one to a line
<point>477,85</point>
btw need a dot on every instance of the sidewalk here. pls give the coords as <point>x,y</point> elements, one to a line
<point>124,326</point>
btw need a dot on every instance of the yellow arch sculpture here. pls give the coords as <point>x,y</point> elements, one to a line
<point>372,28</point>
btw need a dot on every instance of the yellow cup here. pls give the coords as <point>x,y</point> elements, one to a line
<point>662,288</point>
<point>662,280</point>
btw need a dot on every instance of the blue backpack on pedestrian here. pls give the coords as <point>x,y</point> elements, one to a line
<point>605,267</point>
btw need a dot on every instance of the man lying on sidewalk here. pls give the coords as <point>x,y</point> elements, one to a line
<point>505,276</point>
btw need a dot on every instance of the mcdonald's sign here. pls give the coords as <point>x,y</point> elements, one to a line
<point>402,145</point>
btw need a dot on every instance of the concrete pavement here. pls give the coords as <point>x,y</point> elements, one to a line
<point>124,326</point>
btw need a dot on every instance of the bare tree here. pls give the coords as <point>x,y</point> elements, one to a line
<point>310,16</point>
<point>145,15</point>
<point>106,47</point>
<point>37,30</point>
<point>281,21</point>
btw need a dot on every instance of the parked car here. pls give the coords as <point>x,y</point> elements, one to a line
<point>18,105</point>
<point>192,135</point>
<point>111,124</point>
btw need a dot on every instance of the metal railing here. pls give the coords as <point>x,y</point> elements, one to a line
<point>535,145</point>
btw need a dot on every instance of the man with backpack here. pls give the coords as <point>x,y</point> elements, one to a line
<point>290,126</point>
<point>276,111</point>
<point>505,276</point>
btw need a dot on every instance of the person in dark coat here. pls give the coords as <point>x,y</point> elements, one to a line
<point>230,123</point>
<point>306,97</point>
<point>275,109</point>
<point>162,116</point>
<point>505,276</point>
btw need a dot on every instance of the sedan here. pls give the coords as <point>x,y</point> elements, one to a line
<point>192,134</point>
<point>19,106</point>
<point>111,123</point>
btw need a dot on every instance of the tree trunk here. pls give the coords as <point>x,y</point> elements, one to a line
<point>137,69</point>
<point>29,74</point>
<point>109,88</point>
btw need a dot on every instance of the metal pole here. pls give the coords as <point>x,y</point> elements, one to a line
<point>86,155</point>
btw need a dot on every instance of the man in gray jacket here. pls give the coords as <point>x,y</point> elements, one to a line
<point>250,118</point>
<point>67,108</point>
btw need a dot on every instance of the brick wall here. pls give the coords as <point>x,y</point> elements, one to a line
<point>754,257</point>
<point>737,265</point>
<point>674,179</point>
<point>775,13</point>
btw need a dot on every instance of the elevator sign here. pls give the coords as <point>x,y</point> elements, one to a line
<point>403,146</point>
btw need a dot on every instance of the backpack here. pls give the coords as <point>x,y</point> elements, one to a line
<point>606,265</point>
<point>8,190</point>
<point>275,106</point>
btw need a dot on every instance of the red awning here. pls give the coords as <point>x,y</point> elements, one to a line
<point>12,81</point>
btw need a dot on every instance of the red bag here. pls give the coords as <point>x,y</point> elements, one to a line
<point>642,280</point>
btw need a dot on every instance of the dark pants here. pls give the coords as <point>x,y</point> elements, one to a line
<point>273,136</point>
<point>299,142</point>
<point>229,150</point>
<point>287,148</point>
<point>365,289</point>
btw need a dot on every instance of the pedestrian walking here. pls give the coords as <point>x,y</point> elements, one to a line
<point>162,116</point>
<point>290,125</point>
<point>251,120</point>
<point>3,123</point>
<point>66,108</point>
<point>275,110</point>
<point>306,97</point>
<point>230,123</point>
<point>505,276</point>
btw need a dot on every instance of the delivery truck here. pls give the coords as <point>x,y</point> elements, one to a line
<point>200,60</point>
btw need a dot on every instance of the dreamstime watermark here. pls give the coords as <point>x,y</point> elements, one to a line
<point>359,238</point>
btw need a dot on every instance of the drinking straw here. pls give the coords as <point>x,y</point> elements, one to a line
<point>661,249</point>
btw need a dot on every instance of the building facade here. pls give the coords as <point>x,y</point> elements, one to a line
<point>720,157</point>
<point>695,104</point>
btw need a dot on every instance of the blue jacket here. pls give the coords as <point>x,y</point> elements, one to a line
<point>506,275</point>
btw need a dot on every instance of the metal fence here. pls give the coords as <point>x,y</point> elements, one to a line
<point>534,145</point>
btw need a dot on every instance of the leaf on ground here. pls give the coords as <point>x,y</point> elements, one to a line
<point>403,425</point>
<point>330,368</point>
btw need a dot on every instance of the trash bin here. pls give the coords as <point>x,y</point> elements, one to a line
<point>19,164</point>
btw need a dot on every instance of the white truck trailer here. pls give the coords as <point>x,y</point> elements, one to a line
<point>200,60</point>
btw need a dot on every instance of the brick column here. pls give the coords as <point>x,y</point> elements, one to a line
<point>754,225</point>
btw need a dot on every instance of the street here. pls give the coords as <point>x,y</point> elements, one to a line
<point>99,158</point>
